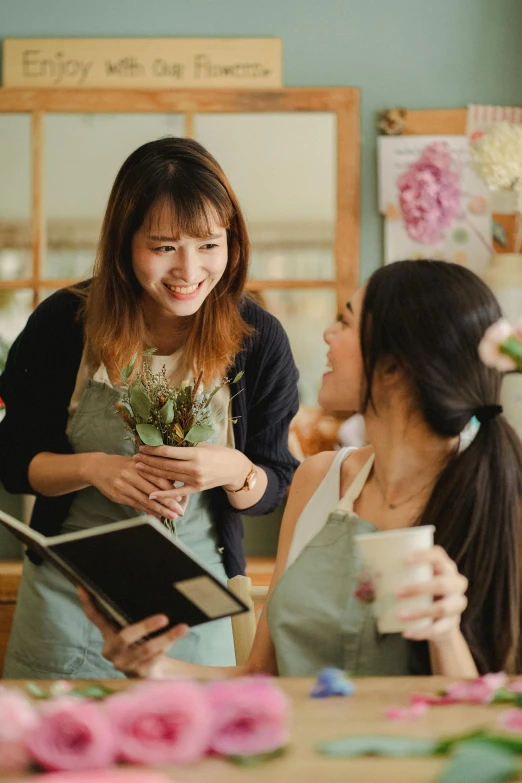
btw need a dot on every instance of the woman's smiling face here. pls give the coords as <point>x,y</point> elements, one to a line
<point>177,273</point>
<point>341,389</point>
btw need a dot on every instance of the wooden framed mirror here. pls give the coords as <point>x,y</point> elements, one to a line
<point>292,156</point>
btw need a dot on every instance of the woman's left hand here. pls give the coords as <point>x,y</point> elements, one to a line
<point>447,587</point>
<point>202,467</point>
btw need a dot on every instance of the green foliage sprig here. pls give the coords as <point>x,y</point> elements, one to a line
<point>156,413</point>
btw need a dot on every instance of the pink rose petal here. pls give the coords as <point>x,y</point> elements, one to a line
<point>407,713</point>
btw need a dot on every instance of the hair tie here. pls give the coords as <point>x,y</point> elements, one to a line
<point>488,412</point>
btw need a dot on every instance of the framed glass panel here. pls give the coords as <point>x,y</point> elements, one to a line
<point>15,308</point>
<point>15,196</point>
<point>282,167</point>
<point>305,314</point>
<point>83,153</point>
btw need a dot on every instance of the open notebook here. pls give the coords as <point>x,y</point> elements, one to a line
<point>134,569</point>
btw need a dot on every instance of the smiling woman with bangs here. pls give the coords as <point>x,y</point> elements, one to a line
<point>170,273</point>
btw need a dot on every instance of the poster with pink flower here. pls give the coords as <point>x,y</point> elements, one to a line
<point>434,204</point>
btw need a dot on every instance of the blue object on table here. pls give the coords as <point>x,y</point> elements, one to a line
<point>332,682</point>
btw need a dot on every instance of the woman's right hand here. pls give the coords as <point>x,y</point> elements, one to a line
<point>116,477</point>
<point>127,650</point>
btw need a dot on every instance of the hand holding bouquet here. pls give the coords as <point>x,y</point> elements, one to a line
<point>158,414</point>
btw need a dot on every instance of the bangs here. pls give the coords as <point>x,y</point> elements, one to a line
<point>189,212</point>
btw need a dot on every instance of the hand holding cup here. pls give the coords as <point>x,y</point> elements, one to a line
<point>418,589</point>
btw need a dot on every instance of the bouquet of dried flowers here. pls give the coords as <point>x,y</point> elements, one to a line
<point>156,413</point>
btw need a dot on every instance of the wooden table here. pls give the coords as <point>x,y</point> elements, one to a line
<point>10,574</point>
<point>324,719</point>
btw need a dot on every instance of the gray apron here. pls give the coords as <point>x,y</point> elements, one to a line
<point>51,636</point>
<point>316,620</point>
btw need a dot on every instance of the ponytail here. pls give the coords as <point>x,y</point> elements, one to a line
<point>476,508</point>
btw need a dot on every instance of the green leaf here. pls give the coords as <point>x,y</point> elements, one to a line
<point>445,744</point>
<point>166,413</point>
<point>149,435</point>
<point>94,691</point>
<point>503,696</point>
<point>127,371</point>
<point>199,434</point>
<point>377,745</point>
<point>140,402</point>
<point>479,761</point>
<point>127,408</point>
<point>258,759</point>
<point>149,351</point>
<point>238,376</point>
<point>36,691</point>
<point>513,348</point>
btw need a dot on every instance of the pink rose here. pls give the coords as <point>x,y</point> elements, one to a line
<point>104,776</point>
<point>479,691</point>
<point>488,350</point>
<point>72,734</point>
<point>250,716</point>
<point>17,717</point>
<point>511,720</point>
<point>161,722</point>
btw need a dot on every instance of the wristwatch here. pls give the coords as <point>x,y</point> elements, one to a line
<point>249,484</point>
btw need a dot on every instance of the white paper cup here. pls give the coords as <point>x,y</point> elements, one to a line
<point>383,557</point>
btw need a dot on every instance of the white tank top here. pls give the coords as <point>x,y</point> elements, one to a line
<point>326,499</point>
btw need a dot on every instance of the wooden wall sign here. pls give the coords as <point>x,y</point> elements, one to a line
<point>148,63</point>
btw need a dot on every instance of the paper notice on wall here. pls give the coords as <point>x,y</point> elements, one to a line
<point>467,240</point>
<point>480,118</point>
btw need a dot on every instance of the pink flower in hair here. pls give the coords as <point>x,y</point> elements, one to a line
<point>492,344</point>
<point>429,194</point>
<point>72,735</point>
<point>250,716</point>
<point>161,722</point>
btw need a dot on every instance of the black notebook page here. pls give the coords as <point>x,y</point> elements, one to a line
<point>136,569</point>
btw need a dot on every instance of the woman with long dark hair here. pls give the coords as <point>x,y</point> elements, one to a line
<point>170,275</point>
<point>404,353</point>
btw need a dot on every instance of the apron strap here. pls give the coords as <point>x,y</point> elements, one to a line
<point>354,490</point>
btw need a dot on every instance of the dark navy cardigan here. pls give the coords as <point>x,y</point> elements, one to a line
<point>39,379</point>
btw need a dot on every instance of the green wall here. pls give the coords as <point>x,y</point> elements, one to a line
<point>415,53</point>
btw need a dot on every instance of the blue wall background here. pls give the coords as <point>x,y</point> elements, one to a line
<point>414,53</point>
